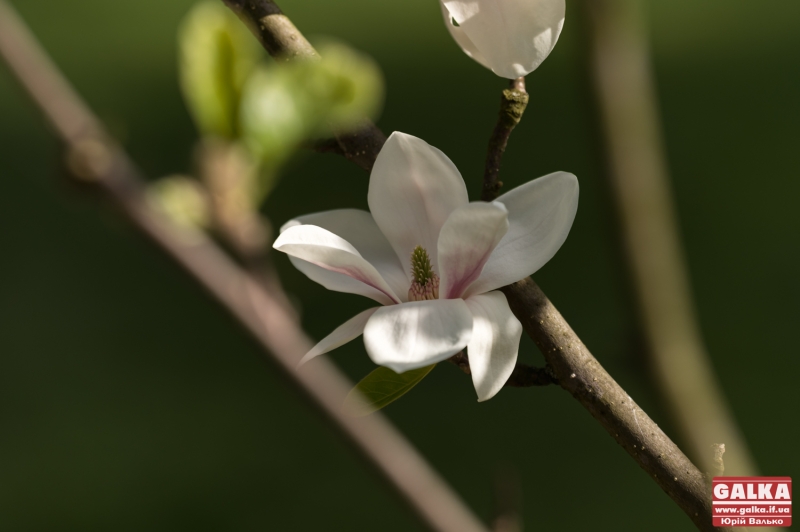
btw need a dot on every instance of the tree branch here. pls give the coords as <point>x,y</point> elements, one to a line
<point>584,378</point>
<point>103,166</point>
<point>284,42</point>
<point>276,33</point>
<point>513,102</point>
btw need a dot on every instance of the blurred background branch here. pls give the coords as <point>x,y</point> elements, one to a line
<point>637,169</point>
<point>508,500</point>
<point>103,166</point>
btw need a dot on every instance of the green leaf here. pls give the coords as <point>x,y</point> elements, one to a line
<point>342,89</point>
<point>287,104</point>
<point>273,116</point>
<point>381,388</point>
<point>217,54</point>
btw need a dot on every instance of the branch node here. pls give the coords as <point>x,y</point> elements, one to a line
<point>88,160</point>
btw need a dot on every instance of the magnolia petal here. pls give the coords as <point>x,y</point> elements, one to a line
<point>540,215</point>
<point>339,282</point>
<point>413,188</point>
<point>417,334</point>
<point>359,229</point>
<point>346,332</point>
<point>324,249</point>
<point>461,38</point>
<point>466,241</point>
<point>493,348</point>
<point>512,36</point>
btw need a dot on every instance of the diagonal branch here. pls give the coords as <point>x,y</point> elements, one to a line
<point>575,368</point>
<point>105,168</point>
<point>579,373</point>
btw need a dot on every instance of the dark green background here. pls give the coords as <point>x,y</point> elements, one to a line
<point>129,401</point>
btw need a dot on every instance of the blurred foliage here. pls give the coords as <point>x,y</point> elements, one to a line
<point>273,119</point>
<point>271,108</point>
<point>182,199</point>
<point>217,55</point>
<point>341,90</point>
<point>287,104</point>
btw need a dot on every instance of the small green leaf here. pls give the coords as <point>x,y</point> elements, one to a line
<point>272,114</point>
<point>381,388</point>
<point>217,54</point>
<point>284,105</point>
<point>342,89</point>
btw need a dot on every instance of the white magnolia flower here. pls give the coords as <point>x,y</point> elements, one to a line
<point>434,260</point>
<point>509,37</point>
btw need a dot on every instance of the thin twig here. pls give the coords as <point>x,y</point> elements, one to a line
<point>106,168</point>
<point>326,146</point>
<point>639,178</point>
<point>584,378</point>
<point>275,31</point>
<point>513,102</point>
<point>523,376</point>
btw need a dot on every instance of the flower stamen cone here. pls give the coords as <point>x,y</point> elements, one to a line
<point>425,285</point>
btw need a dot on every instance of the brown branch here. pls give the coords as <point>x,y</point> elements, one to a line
<point>584,378</point>
<point>276,33</point>
<point>284,42</point>
<point>461,361</point>
<point>513,102</point>
<point>523,376</point>
<point>103,166</point>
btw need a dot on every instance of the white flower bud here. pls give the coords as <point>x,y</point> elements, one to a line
<point>509,37</point>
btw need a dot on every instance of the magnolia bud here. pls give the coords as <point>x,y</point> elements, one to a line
<point>509,37</point>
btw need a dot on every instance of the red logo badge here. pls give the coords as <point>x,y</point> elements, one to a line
<point>752,501</point>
